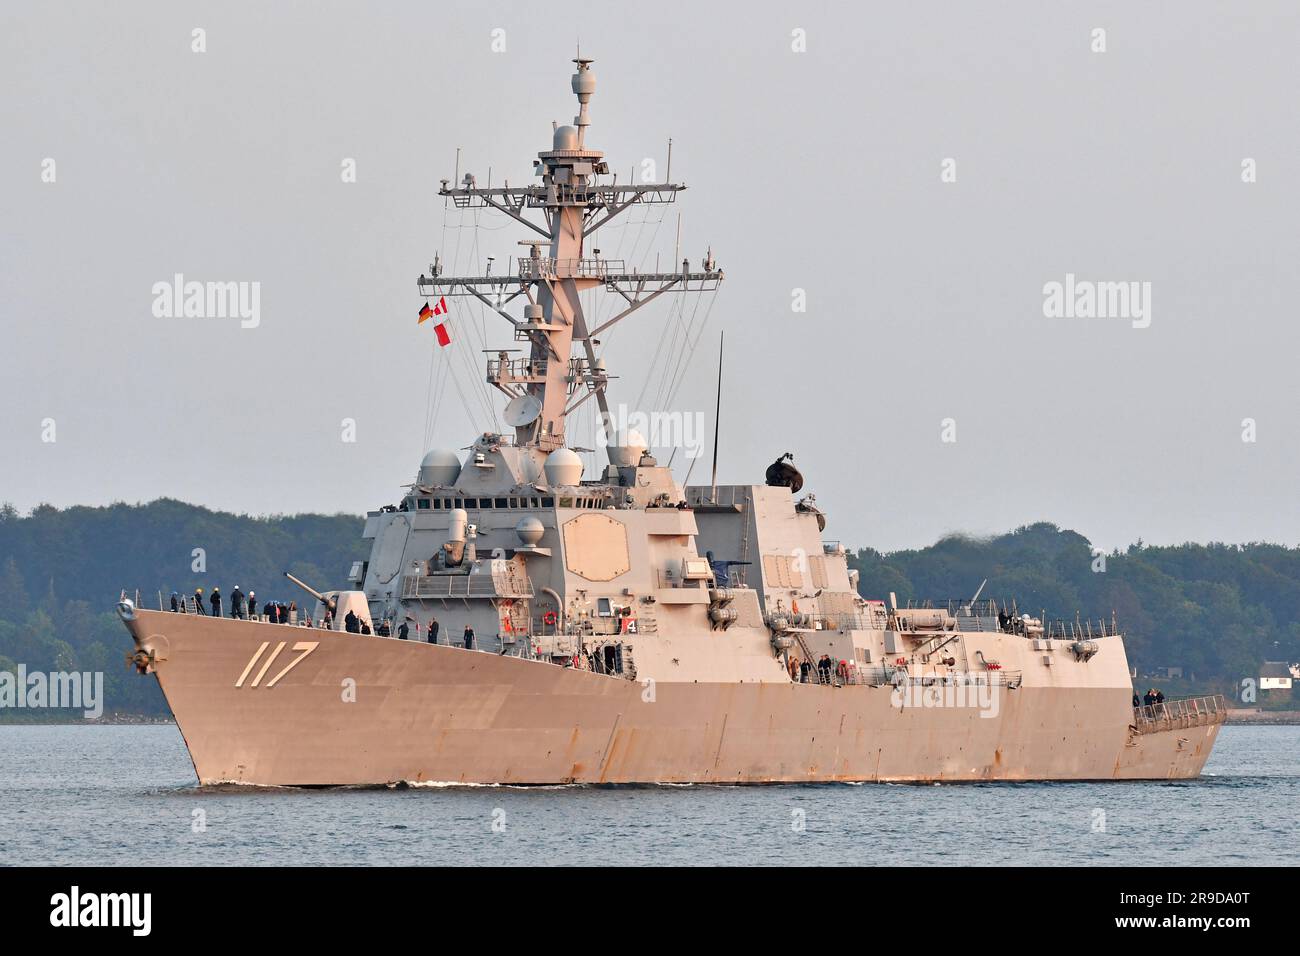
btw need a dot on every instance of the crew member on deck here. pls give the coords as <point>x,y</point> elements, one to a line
<point>215,601</point>
<point>198,600</point>
<point>469,637</point>
<point>237,603</point>
<point>433,630</point>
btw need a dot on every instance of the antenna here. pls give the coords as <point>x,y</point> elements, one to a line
<point>717,416</point>
<point>571,207</point>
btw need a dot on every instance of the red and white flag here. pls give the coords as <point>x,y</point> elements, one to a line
<point>444,336</point>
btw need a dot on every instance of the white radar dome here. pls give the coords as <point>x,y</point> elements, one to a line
<point>529,530</point>
<point>566,137</point>
<point>563,467</point>
<point>627,448</point>
<point>439,467</point>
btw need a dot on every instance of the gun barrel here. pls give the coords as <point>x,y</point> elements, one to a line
<point>307,587</point>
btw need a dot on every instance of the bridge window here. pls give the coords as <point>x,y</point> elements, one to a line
<point>423,504</point>
<point>503,503</point>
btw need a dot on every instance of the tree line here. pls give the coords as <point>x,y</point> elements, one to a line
<point>62,571</point>
<point>1215,610</point>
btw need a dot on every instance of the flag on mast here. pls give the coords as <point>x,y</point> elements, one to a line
<point>440,330</point>
<point>439,309</point>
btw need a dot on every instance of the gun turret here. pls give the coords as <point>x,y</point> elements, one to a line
<point>328,602</point>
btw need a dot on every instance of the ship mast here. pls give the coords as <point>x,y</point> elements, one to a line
<point>572,203</point>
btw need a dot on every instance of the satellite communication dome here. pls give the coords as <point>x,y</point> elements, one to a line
<point>627,448</point>
<point>529,531</point>
<point>439,467</point>
<point>566,137</point>
<point>563,467</point>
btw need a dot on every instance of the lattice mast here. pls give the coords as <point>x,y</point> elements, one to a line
<point>561,370</point>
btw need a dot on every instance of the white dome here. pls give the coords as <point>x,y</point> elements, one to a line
<point>566,137</point>
<point>439,467</point>
<point>530,531</point>
<point>627,447</point>
<point>563,467</point>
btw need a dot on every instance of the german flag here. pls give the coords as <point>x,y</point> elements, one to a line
<point>425,312</point>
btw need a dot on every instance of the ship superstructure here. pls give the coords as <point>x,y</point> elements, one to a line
<point>623,627</point>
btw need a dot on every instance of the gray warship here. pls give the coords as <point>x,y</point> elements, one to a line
<point>620,627</point>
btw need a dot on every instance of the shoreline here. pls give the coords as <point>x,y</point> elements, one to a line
<point>1263,718</point>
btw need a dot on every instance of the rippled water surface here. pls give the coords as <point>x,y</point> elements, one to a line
<point>127,795</point>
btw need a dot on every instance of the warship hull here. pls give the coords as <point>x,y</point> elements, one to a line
<point>330,708</point>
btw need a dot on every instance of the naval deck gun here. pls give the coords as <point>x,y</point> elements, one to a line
<point>329,602</point>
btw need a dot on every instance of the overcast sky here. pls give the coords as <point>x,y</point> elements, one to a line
<point>819,170</point>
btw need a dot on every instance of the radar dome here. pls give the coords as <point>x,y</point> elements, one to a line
<point>563,467</point>
<point>529,531</point>
<point>439,467</point>
<point>566,137</point>
<point>627,448</point>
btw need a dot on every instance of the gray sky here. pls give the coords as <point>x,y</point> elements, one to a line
<point>817,170</point>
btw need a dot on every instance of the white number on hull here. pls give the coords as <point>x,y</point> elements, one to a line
<point>305,647</point>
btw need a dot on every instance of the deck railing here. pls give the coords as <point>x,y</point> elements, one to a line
<point>1179,714</point>
<point>898,677</point>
